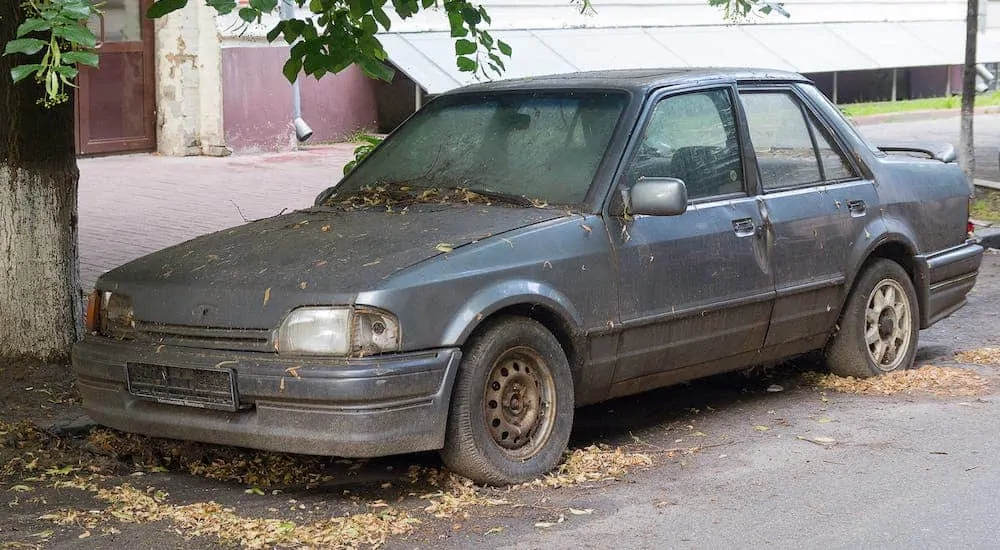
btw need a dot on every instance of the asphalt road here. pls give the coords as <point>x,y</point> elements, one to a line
<point>985,127</point>
<point>905,471</point>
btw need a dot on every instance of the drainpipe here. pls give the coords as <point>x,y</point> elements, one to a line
<point>302,130</point>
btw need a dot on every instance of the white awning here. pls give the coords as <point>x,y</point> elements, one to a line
<point>429,59</point>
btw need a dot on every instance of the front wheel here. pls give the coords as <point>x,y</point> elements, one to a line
<point>878,326</point>
<point>512,407</point>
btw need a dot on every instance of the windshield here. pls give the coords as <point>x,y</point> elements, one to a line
<point>528,148</point>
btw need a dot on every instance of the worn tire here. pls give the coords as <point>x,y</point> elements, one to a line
<point>493,404</point>
<point>879,324</point>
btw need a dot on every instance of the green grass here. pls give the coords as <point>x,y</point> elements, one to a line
<point>986,207</point>
<point>930,103</point>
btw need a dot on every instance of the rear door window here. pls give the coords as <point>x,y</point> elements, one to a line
<point>792,149</point>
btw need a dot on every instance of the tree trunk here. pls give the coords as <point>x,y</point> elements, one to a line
<point>967,147</point>
<point>40,306</point>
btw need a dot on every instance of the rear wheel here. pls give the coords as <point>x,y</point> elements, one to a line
<point>879,324</point>
<point>512,407</point>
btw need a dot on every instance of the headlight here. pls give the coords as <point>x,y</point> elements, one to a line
<point>111,315</point>
<point>337,331</point>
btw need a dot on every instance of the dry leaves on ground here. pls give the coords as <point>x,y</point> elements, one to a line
<point>594,463</point>
<point>981,356</point>
<point>131,505</point>
<point>929,379</point>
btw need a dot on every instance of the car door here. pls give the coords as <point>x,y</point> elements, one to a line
<point>817,207</point>
<point>695,287</point>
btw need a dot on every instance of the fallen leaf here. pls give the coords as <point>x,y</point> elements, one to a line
<point>267,296</point>
<point>325,228</point>
<point>579,512</point>
<point>761,428</point>
<point>303,285</point>
<point>444,247</point>
<point>586,228</point>
<point>494,531</point>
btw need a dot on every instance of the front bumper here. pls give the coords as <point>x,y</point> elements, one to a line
<point>944,278</point>
<point>374,406</point>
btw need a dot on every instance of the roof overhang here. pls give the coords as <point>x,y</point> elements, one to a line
<point>428,58</point>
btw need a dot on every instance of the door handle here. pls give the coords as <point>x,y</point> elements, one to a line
<point>857,208</point>
<point>744,227</point>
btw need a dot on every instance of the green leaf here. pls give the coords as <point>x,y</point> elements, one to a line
<point>163,7</point>
<point>504,48</point>
<point>471,16</point>
<point>223,7</point>
<point>427,3</point>
<point>316,6</point>
<point>457,25</point>
<point>32,25</point>
<point>76,35</point>
<point>264,6</point>
<point>275,32</point>
<point>65,70</point>
<point>248,14</point>
<point>76,10</point>
<point>83,58</point>
<point>368,24</point>
<point>377,69</point>
<point>292,68</point>
<point>485,15</point>
<point>21,72</point>
<point>465,47</point>
<point>381,17</point>
<point>466,65</point>
<point>27,46</point>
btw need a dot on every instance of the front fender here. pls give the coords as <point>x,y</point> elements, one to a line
<point>505,294</point>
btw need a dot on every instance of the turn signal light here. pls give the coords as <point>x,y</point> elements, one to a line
<point>92,320</point>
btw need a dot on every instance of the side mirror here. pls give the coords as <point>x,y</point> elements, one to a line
<point>658,197</point>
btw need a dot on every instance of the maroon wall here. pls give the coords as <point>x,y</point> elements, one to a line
<point>257,101</point>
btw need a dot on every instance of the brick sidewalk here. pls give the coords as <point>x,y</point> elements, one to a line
<point>134,204</point>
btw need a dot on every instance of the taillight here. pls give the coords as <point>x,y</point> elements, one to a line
<point>92,320</point>
<point>970,228</point>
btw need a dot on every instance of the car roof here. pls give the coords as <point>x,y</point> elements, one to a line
<point>640,80</point>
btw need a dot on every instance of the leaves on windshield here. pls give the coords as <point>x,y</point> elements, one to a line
<point>394,198</point>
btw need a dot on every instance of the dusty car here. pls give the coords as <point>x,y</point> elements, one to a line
<point>520,248</point>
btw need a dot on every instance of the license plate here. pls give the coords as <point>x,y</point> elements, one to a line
<point>191,387</point>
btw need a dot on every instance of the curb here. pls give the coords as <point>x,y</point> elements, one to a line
<point>989,238</point>
<point>907,116</point>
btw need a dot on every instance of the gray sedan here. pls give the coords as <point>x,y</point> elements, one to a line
<point>521,248</point>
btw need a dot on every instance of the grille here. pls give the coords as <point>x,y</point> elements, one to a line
<point>206,337</point>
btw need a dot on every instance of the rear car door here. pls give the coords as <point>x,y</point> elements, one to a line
<point>817,207</point>
<point>694,287</point>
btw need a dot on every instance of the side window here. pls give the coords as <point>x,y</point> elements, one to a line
<point>783,140</point>
<point>692,137</point>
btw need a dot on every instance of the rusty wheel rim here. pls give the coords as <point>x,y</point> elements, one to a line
<point>519,403</point>
<point>888,326</point>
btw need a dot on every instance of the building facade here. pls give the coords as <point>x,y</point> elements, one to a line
<point>194,83</point>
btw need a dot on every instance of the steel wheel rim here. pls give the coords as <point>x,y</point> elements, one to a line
<point>519,403</point>
<point>888,325</point>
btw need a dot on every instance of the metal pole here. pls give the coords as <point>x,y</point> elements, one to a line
<point>302,130</point>
<point>417,97</point>
<point>834,87</point>
<point>894,84</point>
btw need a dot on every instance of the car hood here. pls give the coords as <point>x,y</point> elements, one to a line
<point>250,276</point>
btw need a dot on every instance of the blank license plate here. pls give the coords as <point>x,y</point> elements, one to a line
<point>205,388</point>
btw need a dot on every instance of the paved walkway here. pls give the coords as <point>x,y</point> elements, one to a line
<point>135,204</point>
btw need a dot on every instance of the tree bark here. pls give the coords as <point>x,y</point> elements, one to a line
<point>967,147</point>
<point>40,305</point>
